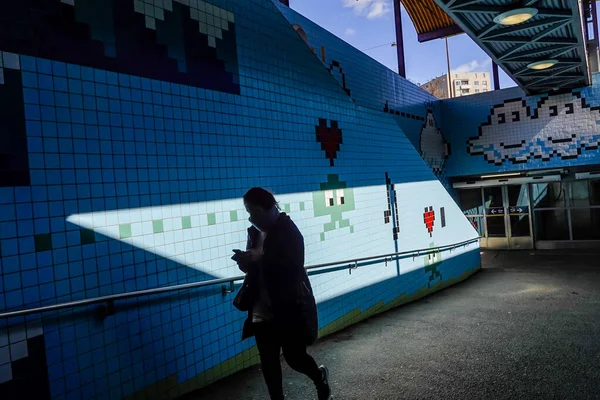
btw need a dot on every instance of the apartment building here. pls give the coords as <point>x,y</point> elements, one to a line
<point>461,84</point>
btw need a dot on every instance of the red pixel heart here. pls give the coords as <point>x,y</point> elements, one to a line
<point>429,219</point>
<point>330,138</point>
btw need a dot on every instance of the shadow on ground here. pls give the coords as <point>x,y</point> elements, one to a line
<point>526,327</point>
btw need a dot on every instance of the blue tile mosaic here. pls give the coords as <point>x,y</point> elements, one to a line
<point>128,115</point>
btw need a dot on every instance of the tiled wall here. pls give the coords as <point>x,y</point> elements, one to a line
<point>506,131</point>
<point>130,130</point>
<point>373,85</point>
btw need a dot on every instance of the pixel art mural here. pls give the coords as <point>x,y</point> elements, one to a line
<point>432,263</point>
<point>562,125</point>
<point>334,199</point>
<point>330,138</point>
<point>434,149</point>
<point>391,214</point>
<point>429,219</point>
<point>186,42</point>
<point>129,130</point>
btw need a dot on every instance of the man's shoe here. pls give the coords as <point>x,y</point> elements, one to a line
<point>323,389</point>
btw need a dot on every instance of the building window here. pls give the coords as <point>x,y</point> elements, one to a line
<point>457,83</point>
<point>476,90</point>
<point>476,83</point>
<point>484,83</point>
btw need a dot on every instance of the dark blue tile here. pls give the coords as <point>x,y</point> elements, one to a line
<point>74,71</point>
<point>13,299</point>
<point>8,230</point>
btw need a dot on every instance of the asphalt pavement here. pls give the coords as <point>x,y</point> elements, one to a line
<point>527,326</point>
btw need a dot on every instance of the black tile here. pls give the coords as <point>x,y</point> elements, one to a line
<point>87,236</point>
<point>14,156</point>
<point>43,242</point>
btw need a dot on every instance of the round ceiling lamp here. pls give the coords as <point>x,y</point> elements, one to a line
<point>516,16</point>
<point>545,64</point>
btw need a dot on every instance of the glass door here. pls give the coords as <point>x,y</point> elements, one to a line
<point>471,204</point>
<point>518,217</point>
<point>500,214</point>
<point>495,217</point>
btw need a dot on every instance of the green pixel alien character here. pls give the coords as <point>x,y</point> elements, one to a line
<point>432,262</point>
<point>334,199</point>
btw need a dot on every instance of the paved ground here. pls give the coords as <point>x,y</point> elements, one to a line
<point>526,327</point>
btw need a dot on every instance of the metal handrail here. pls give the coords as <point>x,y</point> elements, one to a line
<point>352,264</point>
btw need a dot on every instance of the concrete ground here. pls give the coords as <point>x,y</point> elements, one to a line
<point>527,326</point>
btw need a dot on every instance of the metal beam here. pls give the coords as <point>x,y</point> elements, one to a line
<point>522,27</point>
<point>551,41</point>
<point>487,29</point>
<point>557,69</point>
<point>570,82</point>
<point>461,3</point>
<point>482,9</point>
<point>529,40</point>
<point>439,33</point>
<point>550,86</point>
<point>538,39</point>
<point>554,71</point>
<point>553,76</point>
<point>557,77</point>
<point>558,50</point>
<point>529,60</point>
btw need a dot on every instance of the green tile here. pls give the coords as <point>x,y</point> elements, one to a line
<point>301,206</point>
<point>329,226</point>
<point>186,222</point>
<point>212,219</point>
<point>43,242</point>
<point>287,208</point>
<point>87,236</point>
<point>233,215</point>
<point>157,226</point>
<point>333,182</point>
<point>125,231</point>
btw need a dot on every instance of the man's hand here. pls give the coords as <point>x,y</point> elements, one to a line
<point>245,258</point>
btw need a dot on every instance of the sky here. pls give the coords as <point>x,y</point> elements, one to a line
<point>368,25</point>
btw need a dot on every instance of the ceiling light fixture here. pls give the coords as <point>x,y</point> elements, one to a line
<point>516,16</point>
<point>545,64</point>
<point>501,175</point>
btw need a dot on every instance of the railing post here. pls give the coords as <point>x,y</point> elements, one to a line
<point>226,290</point>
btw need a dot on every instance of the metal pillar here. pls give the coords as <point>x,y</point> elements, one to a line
<point>496,76</point>
<point>450,85</point>
<point>590,18</point>
<point>595,19</point>
<point>399,39</point>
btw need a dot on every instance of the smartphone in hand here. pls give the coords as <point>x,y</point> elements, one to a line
<point>237,254</point>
